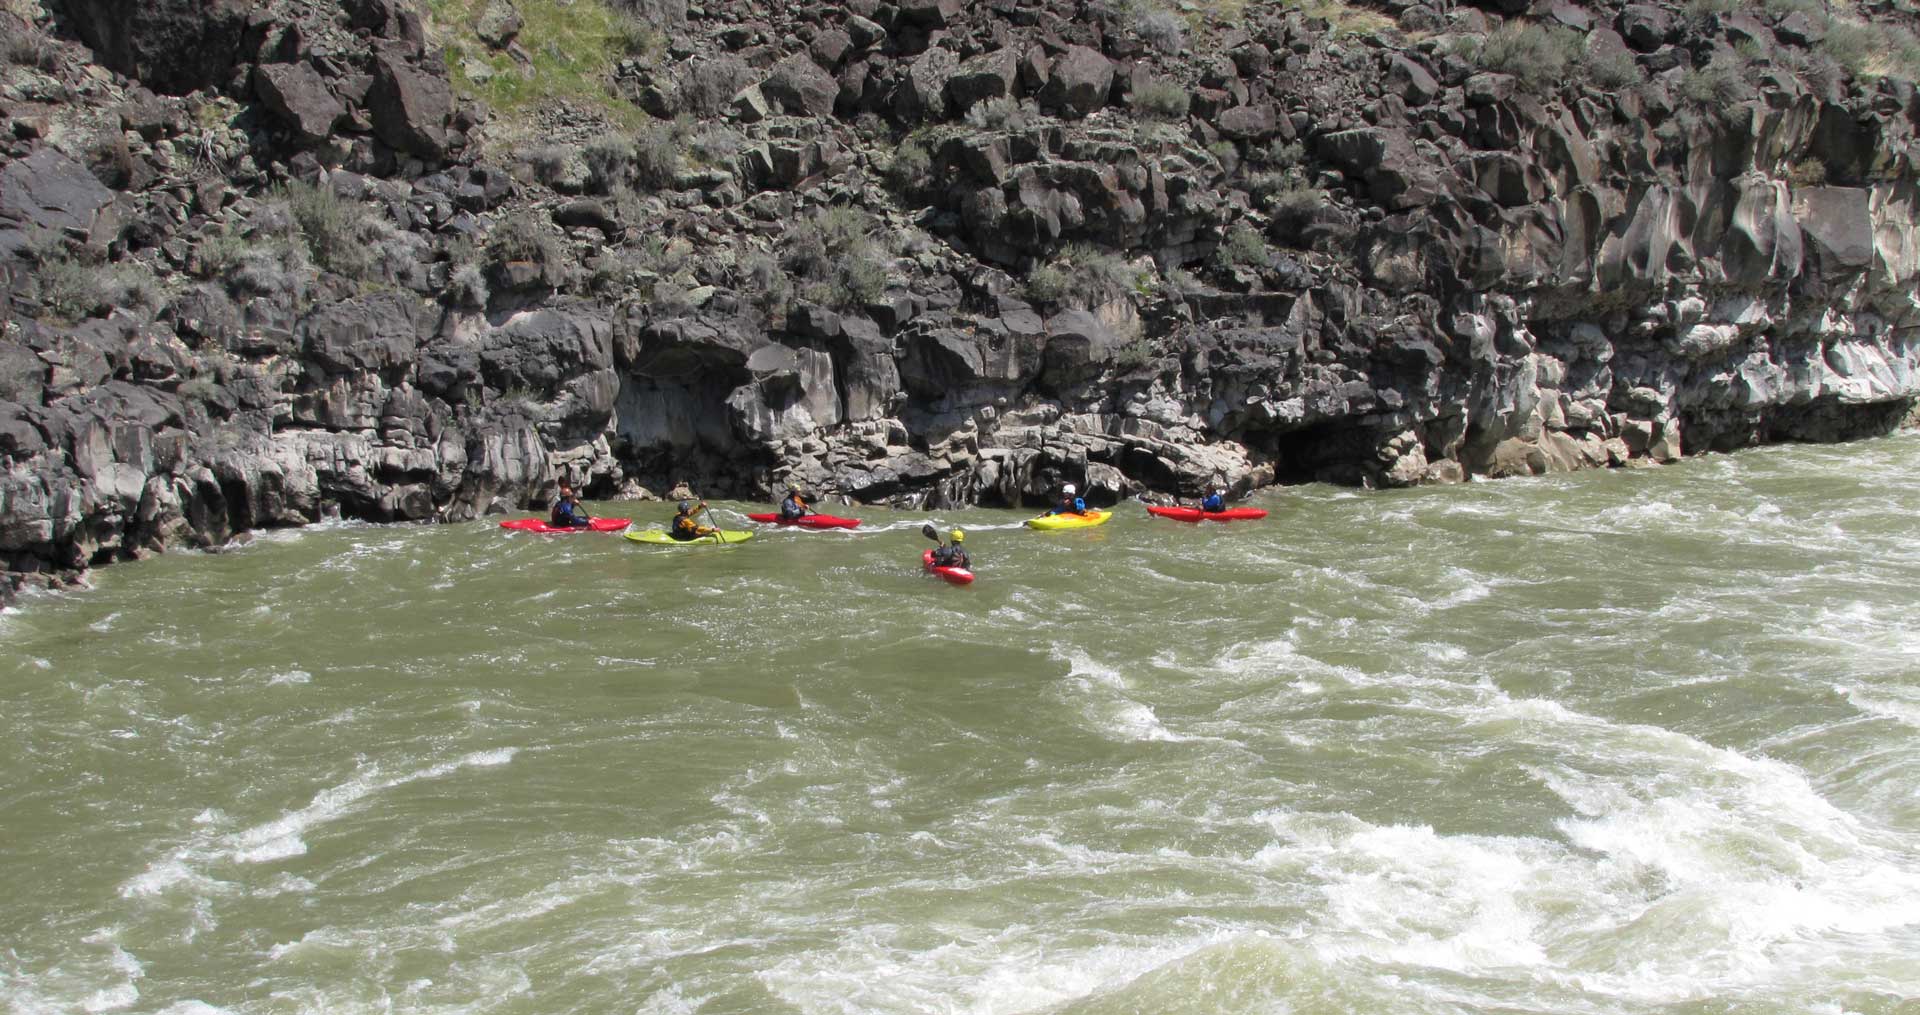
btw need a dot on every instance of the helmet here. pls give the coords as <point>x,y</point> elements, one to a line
<point>793,487</point>
<point>686,506</point>
<point>1068,489</point>
<point>957,536</point>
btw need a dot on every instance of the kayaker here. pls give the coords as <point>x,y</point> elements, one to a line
<point>1215,501</point>
<point>795,506</point>
<point>567,513</point>
<point>1069,504</point>
<point>685,527</point>
<point>950,554</point>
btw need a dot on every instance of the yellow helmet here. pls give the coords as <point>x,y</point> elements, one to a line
<point>957,536</point>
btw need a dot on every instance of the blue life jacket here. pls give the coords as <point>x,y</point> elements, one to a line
<point>565,514</point>
<point>792,508</point>
<point>1214,502</point>
<point>1078,507</point>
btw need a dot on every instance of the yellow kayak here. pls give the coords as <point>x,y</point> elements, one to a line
<point>659,537</point>
<point>1050,522</point>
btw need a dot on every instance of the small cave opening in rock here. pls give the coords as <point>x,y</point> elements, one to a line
<point>1322,453</point>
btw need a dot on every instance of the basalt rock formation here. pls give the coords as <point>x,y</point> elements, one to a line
<point>266,263</point>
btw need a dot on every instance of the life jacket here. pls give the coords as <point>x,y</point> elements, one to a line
<point>1213,502</point>
<point>565,513</point>
<point>793,507</point>
<point>1076,506</point>
<point>684,528</point>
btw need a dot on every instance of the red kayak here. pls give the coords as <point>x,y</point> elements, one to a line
<point>1187,514</point>
<point>956,575</point>
<point>593,525</point>
<point>807,521</point>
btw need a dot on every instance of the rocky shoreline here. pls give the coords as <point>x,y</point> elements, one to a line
<point>267,263</point>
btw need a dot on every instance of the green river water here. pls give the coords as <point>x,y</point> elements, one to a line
<point>1639,741</point>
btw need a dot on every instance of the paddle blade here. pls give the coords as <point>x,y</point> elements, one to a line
<point>929,532</point>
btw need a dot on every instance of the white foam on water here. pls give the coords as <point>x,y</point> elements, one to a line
<point>111,998</point>
<point>978,972</point>
<point>282,837</point>
<point>1900,704</point>
<point>290,678</point>
<point>1106,704</point>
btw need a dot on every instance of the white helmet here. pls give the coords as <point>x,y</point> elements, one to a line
<point>1068,489</point>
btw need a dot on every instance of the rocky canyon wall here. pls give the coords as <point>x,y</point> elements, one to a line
<point>269,263</point>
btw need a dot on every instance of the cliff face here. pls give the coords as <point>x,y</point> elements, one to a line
<point>269,262</point>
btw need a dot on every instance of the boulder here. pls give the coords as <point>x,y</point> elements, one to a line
<point>1645,27</point>
<point>986,76</point>
<point>1411,82</point>
<point>1078,82</point>
<point>172,46</point>
<point>377,333</point>
<point>922,96</point>
<point>299,96</point>
<point>1838,227</point>
<point>47,193</point>
<point>1079,346</point>
<point>1249,123</point>
<point>411,107</point>
<point>499,24</point>
<point>23,375</point>
<point>800,87</point>
<point>930,13</point>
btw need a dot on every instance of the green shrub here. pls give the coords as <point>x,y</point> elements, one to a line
<point>467,287</point>
<point>656,154</point>
<point>637,38</point>
<point>549,162</point>
<point>1161,99</point>
<point>1612,69</point>
<point>29,48</point>
<point>74,289</point>
<point>220,254</point>
<point>336,231</point>
<point>1048,283</point>
<point>521,236</point>
<point>1716,88</point>
<point>838,256</point>
<point>1700,11</point>
<point>1538,56</point>
<point>1810,171</point>
<point>1243,246</point>
<point>1282,155</point>
<point>1852,45</point>
<point>706,86</point>
<point>1003,113</point>
<point>1295,199</point>
<point>1163,30</point>
<point>607,160</point>
<point>1782,8</point>
<point>759,277</point>
<point>1179,283</point>
<point>911,167</point>
<point>715,145</point>
<point>1085,276</point>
